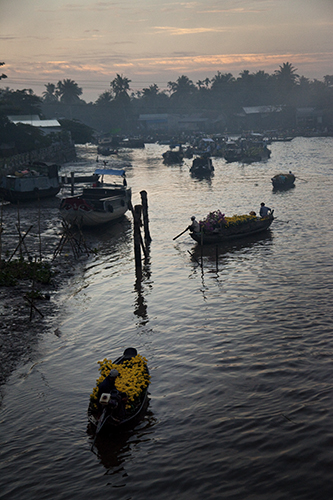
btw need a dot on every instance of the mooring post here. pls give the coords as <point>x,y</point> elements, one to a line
<point>217,258</point>
<point>201,247</point>
<point>137,238</point>
<point>145,217</point>
<point>72,183</point>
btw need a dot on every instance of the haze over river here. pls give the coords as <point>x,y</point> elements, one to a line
<point>240,350</point>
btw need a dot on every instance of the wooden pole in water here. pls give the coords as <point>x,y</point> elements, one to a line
<point>201,248</point>
<point>137,238</point>
<point>72,183</point>
<point>217,258</point>
<point>1,232</point>
<point>145,217</point>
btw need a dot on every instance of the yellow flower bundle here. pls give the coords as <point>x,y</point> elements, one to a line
<point>133,377</point>
<point>235,220</point>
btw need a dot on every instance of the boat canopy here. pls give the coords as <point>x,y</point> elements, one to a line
<point>109,171</point>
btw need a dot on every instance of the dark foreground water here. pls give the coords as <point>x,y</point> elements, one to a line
<point>240,351</point>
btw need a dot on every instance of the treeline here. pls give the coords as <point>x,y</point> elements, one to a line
<point>118,108</point>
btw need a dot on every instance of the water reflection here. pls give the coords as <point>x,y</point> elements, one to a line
<point>140,305</point>
<point>113,450</point>
<point>212,254</point>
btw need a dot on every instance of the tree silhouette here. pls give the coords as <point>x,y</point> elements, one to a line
<point>286,75</point>
<point>3,75</point>
<point>104,99</point>
<point>49,95</point>
<point>120,87</point>
<point>69,91</point>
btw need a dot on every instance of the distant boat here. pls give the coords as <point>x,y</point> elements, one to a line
<point>283,181</point>
<point>132,142</point>
<point>170,157</point>
<point>38,180</point>
<point>202,166</point>
<point>99,203</point>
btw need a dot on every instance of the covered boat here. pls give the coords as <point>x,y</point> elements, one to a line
<point>38,180</point>
<point>216,228</point>
<point>202,166</point>
<point>283,181</point>
<point>133,380</point>
<point>98,203</point>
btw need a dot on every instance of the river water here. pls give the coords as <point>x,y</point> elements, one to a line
<point>239,349</point>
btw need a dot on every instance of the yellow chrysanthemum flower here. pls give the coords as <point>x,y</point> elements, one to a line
<point>133,377</point>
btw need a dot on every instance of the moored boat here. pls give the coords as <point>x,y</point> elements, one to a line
<point>38,180</point>
<point>133,380</point>
<point>283,181</point>
<point>98,203</point>
<point>216,228</point>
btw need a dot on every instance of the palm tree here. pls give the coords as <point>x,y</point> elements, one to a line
<point>69,91</point>
<point>104,99</point>
<point>221,81</point>
<point>183,86</point>
<point>49,95</point>
<point>286,75</point>
<point>120,87</point>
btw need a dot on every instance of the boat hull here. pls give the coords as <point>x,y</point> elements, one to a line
<point>30,185</point>
<point>93,210</point>
<point>283,181</point>
<point>112,425</point>
<point>227,234</point>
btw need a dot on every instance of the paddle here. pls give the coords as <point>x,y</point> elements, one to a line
<point>180,234</point>
<point>101,422</point>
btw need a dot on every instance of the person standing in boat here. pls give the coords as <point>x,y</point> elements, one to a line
<point>107,386</point>
<point>194,226</point>
<point>264,211</point>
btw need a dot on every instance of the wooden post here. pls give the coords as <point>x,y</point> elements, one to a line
<point>72,183</point>
<point>145,217</point>
<point>217,258</point>
<point>137,238</point>
<point>201,247</point>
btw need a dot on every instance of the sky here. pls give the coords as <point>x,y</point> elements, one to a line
<point>157,41</point>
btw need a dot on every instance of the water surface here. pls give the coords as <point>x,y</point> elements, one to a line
<point>239,349</point>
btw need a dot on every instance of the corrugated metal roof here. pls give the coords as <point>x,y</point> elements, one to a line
<point>39,123</point>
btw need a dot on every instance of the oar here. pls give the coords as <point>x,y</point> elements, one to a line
<point>103,418</point>
<point>284,221</point>
<point>180,234</point>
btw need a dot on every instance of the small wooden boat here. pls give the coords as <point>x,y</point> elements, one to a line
<point>225,231</point>
<point>170,157</point>
<point>202,166</point>
<point>283,181</point>
<point>108,418</point>
<point>106,151</point>
<point>98,203</point>
<point>38,180</point>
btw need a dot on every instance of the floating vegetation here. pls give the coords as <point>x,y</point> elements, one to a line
<point>11,272</point>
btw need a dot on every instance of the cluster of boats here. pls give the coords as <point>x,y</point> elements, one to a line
<point>107,198</point>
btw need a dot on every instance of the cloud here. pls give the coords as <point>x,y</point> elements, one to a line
<point>172,31</point>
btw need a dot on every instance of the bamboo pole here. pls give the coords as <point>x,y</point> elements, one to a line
<point>137,238</point>
<point>145,217</point>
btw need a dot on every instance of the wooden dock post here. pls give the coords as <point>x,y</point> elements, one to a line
<point>145,217</point>
<point>137,238</point>
<point>72,183</point>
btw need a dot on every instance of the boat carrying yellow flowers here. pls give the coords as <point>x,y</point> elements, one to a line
<point>216,228</point>
<point>121,392</point>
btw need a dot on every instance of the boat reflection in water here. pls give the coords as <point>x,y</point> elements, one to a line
<point>212,254</point>
<point>113,450</point>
